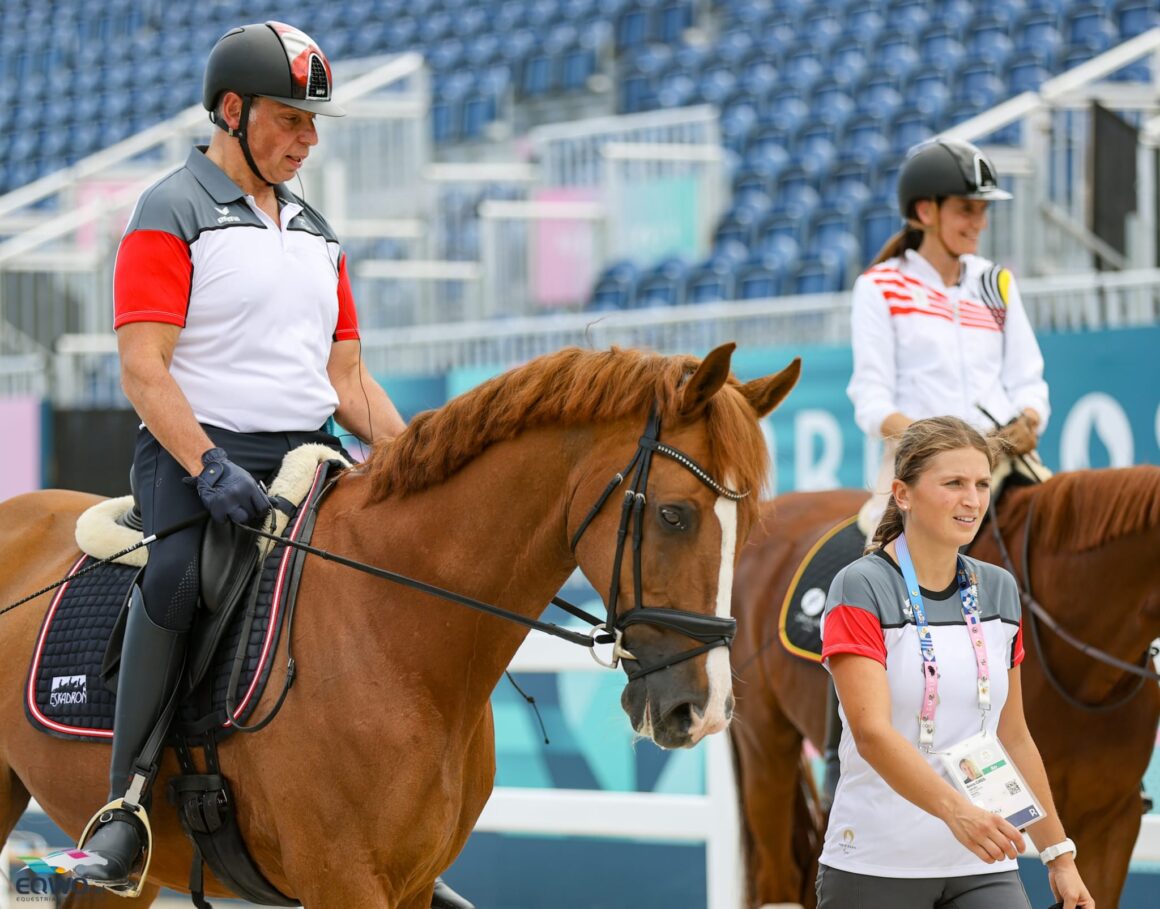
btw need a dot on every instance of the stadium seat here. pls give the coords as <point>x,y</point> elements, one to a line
<point>978,84</point>
<point>895,56</point>
<point>676,89</point>
<point>818,274</point>
<point>1036,33</point>
<point>1134,17</point>
<point>878,224</point>
<point>662,285</point>
<point>847,61</point>
<point>1005,11</point>
<point>908,17</point>
<point>863,21</point>
<point>907,129</point>
<point>634,26</point>
<point>673,19</point>
<point>988,40</point>
<point>614,287</point>
<point>940,46</point>
<point>1026,76</point>
<point>954,14</point>
<point>758,282</point>
<point>711,281</point>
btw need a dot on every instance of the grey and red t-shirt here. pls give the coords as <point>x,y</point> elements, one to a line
<point>259,303</point>
<point>872,829</point>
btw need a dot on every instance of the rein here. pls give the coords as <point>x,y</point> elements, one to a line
<point>1037,614</point>
<point>711,631</point>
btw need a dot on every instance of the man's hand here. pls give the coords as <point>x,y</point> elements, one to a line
<point>227,491</point>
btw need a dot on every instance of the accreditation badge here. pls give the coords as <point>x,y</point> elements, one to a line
<point>981,769</point>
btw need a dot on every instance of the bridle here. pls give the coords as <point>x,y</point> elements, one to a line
<point>1036,614</point>
<point>711,630</point>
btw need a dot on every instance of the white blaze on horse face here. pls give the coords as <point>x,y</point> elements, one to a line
<point>717,663</point>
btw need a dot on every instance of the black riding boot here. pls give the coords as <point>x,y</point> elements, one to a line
<point>833,740</point>
<point>151,662</point>
<point>446,898</point>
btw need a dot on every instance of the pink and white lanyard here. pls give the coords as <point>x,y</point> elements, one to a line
<point>969,593</point>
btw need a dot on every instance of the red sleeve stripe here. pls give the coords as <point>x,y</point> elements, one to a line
<point>151,279</point>
<point>346,329</point>
<point>1017,652</point>
<point>848,629</point>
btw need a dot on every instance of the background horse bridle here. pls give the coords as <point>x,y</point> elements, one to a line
<point>1036,614</point>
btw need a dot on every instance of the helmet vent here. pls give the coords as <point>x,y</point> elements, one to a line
<point>318,85</point>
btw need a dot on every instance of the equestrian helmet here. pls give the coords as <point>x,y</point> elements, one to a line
<point>273,60</point>
<point>946,167</point>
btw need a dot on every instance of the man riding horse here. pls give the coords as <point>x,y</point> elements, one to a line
<point>239,341</point>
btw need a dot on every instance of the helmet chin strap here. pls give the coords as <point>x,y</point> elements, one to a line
<point>240,135</point>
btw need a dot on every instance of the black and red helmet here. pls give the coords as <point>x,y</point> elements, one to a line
<point>946,167</point>
<point>273,60</point>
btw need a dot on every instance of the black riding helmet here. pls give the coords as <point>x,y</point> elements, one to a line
<point>946,167</point>
<point>273,60</point>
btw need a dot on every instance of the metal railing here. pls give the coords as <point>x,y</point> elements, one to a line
<point>1045,229</point>
<point>86,367</point>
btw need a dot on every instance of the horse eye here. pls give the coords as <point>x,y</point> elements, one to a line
<point>673,517</point>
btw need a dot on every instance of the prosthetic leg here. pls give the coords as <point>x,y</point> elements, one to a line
<point>118,839</point>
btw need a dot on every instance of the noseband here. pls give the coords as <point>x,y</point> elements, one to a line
<point>711,630</point>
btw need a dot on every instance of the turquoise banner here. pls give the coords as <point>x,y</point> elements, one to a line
<point>658,218</point>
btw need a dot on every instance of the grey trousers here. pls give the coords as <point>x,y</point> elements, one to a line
<point>846,890</point>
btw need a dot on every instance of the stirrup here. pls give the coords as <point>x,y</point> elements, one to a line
<point>132,889</point>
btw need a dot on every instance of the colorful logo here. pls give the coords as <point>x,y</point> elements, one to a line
<point>51,874</point>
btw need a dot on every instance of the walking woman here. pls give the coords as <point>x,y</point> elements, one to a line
<point>924,646</point>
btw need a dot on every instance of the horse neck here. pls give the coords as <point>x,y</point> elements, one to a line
<point>1099,595</point>
<point>494,531</point>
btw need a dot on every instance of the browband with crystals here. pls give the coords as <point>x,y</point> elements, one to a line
<point>693,467</point>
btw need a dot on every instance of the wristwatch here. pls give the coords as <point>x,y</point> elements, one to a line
<point>1051,853</point>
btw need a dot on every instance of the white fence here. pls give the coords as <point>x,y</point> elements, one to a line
<point>711,818</point>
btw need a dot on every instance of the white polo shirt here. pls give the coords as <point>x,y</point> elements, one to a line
<point>259,303</point>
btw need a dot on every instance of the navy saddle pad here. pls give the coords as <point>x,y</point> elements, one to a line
<point>66,696</point>
<point>799,624</point>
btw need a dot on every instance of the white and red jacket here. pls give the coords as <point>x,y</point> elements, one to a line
<point>924,349</point>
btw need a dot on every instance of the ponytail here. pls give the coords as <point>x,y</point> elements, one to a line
<point>907,238</point>
<point>889,528</point>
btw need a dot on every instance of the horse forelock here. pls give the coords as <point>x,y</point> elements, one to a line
<point>571,387</point>
<point>1084,509</point>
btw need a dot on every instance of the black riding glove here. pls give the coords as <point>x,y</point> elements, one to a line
<point>227,491</point>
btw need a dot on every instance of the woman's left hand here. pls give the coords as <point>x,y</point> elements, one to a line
<point>1066,884</point>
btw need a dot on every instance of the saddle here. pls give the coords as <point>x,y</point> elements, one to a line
<point>248,604</point>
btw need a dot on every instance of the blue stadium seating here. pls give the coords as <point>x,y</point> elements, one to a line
<point>815,95</point>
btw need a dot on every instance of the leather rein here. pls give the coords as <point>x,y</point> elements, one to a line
<point>1036,614</point>
<point>709,630</point>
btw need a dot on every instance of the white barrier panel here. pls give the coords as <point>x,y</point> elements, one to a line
<point>710,818</point>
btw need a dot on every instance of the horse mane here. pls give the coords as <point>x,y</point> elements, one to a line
<point>571,387</point>
<point>1085,509</point>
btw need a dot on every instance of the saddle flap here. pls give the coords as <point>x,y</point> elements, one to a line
<point>228,557</point>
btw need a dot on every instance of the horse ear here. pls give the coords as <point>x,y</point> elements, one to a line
<point>708,379</point>
<point>765,394</point>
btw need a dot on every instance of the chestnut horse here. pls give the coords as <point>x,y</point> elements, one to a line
<point>1093,539</point>
<point>369,781</point>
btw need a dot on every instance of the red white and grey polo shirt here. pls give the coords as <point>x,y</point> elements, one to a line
<point>872,829</point>
<point>259,303</point>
